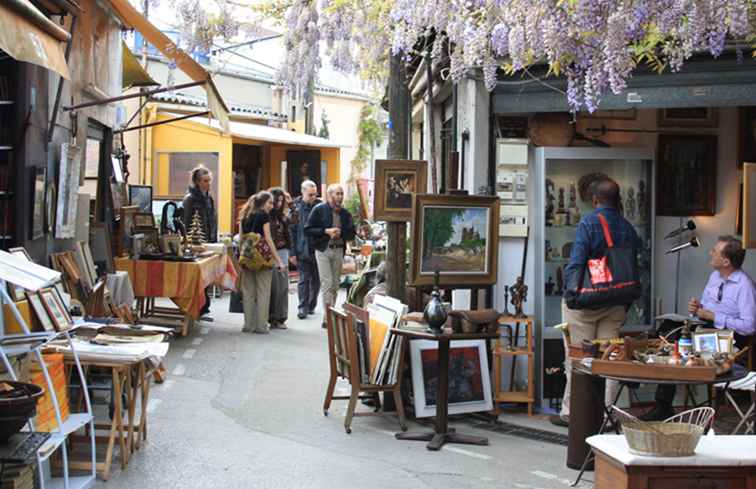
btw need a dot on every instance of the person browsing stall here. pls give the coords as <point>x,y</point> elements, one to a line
<point>590,243</point>
<point>279,230</point>
<point>256,284</point>
<point>199,201</point>
<point>329,227</point>
<point>728,301</point>
<point>308,286</point>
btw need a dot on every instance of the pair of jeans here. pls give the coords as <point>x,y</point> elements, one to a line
<point>256,299</point>
<point>329,268</point>
<point>279,291</point>
<point>308,287</point>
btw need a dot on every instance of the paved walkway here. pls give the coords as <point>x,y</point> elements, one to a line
<point>245,411</point>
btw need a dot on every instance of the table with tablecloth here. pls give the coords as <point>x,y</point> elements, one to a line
<point>183,282</point>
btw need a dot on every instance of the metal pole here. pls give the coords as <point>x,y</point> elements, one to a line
<point>134,95</point>
<point>158,123</point>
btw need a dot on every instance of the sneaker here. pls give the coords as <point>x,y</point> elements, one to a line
<point>558,420</point>
<point>301,315</point>
<point>279,325</point>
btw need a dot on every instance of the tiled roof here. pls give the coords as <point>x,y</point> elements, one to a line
<point>197,101</point>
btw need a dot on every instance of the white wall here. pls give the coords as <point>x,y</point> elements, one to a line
<point>694,269</point>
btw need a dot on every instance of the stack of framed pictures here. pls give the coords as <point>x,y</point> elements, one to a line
<point>49,308</point>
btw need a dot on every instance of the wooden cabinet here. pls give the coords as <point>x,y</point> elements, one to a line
<point>612,474</point>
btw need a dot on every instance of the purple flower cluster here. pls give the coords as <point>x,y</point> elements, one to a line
<point>595,44</point>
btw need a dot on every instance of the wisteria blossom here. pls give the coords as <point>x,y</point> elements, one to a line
<point>595,44</point>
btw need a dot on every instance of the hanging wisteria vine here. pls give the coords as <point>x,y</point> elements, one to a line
<point>595,44</point>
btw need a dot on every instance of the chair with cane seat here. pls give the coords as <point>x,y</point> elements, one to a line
<point>344,362</point>
<point>748,383</point>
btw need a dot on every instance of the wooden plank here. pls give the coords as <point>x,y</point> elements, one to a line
<point>633,370</point>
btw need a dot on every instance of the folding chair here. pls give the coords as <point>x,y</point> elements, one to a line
<point>748,383</point>
<point>344,363</point>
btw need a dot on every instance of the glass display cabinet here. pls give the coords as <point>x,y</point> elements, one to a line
<point>562,176</point>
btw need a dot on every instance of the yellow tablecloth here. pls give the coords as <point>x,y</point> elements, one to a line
<point>183,282</point>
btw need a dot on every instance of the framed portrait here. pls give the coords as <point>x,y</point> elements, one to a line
<point>395,183</point>
<point>38,204</point>
<point>749,205</point>
<point>56,310</point>
<point>469,378</point>
<point>706,343</point>
<point>68,191</point>
<point>302,165</point>
<point>457,235</point>
<point>144,220</point>
<point>50,202</point>
<point>687,117</point>
<point>686,175</point>
<point>35,301</point>
<point>746,135</point>
<point>141,196</point>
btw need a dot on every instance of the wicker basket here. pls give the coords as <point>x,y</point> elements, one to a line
<point>677,436</point>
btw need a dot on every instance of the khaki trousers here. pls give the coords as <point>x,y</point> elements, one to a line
<point>590,324</point>
<point>329,269</point>
<point>256,299</point>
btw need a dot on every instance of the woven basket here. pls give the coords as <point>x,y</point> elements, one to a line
<point>677,436</point>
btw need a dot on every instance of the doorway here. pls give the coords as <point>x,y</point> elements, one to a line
<point>302,165</point>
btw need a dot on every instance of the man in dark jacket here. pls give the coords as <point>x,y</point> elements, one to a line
<point>590,243</point>
<point>329,228</point>
<point>303,254</point>
<point>198,200</point>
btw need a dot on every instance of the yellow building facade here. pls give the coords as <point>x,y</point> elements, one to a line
<point>249,158</point>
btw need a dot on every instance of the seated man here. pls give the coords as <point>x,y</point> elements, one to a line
<point>728,301</point>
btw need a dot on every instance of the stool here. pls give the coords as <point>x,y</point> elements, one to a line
<point>748,383</point>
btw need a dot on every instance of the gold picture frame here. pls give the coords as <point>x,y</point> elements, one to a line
<point>43,317</point>
<point>687,117</point>
<point>56,309</point>
<point>396,181</point>
<point>458,235</point>
<point>749,205</point>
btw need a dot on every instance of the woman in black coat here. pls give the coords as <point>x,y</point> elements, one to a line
<point>198,200</point>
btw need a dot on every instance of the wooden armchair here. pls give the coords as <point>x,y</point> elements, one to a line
<point>344,362</point>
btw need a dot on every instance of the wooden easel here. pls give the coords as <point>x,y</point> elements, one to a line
<point>343,360</point>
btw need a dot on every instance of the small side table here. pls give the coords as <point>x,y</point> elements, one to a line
<point>720,462</point>
<point>515,350</point>
<point>442,434</point>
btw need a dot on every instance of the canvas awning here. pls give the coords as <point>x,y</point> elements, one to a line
<point>275,135</point>
<point>183,61</point>
<point>27,35</point>
<point>133,73</point>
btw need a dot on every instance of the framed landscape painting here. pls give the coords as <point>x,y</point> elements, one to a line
<point>469,378</point>
<point>395,183</point>
<point>456,235</point>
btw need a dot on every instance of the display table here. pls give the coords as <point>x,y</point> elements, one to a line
<point>442,434</point>
<point>720,462</point>
<point>183,282</point>
<point>130,380</point>
<point>578,369</point>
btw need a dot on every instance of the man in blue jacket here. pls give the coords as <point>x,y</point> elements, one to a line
<point>329,228</point>
<point>590,243</point>
<point>304,255</point>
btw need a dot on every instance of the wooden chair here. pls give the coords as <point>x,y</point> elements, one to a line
<point>344,363</point>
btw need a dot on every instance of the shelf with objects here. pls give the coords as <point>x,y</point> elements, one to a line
<point>562,179</point>
<point>17,272</point>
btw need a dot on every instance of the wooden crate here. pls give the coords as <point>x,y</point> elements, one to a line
<point>634,370</point>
